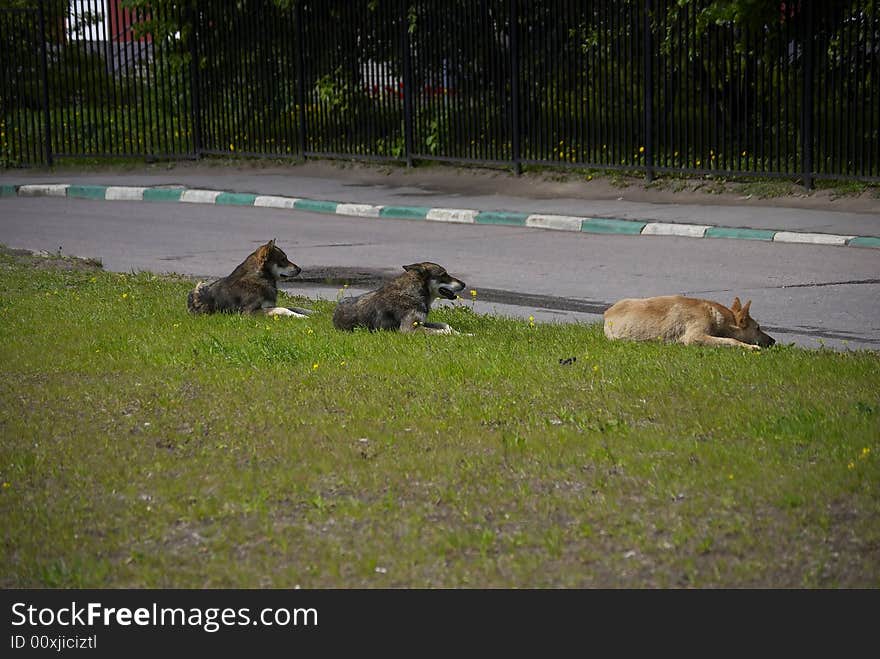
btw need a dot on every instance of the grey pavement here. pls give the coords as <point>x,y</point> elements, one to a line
<point>808,294</point>
<point>500,192</point>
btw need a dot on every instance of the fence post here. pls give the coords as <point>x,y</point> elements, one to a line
<point>301,74</point>
<point>47,115</point>
<point>514,87</point>
<point>195,82</point>
<point>407,86</point>
<point>649,93</point>
<point>807,99</point>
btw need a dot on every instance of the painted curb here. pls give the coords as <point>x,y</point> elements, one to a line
<point>609,225</point>
<point>200,196</point>
<point>405,212</point>
<point>598,225</point>
<point>555,222</point>
<point>162,194</point>
<point>669,229</point>
<point>358,210</point>
<point>455,215</point>
<point>41,190</point>
<point>270,201</point>
<point>505,218</point>
<point>235,199</point>
<point>124,193</point>
<point>87,191</point>
<point>865,241</point>
<point>741,234</point>
<point>810,238</point>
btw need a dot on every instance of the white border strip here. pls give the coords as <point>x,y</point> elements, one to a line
<point>668,229</point>
<point>271,201</point>
<point>358,210</point>
<point>455,215</point>
<point>44,190</point>
<point>200,196</point>
<point>557,222</point>
<point>124,193</point>
<point>810,238</point>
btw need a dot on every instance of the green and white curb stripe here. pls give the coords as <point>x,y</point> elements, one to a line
<point>599,225</point>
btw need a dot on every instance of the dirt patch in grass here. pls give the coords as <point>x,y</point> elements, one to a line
<point>47,261</point>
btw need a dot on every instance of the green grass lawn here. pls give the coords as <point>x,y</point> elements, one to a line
<point>141,446</point>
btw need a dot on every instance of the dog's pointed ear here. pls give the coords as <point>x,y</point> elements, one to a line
<point>413,267</point>
<point>745,310</point>
<point>736,306</point>
<point>271,244</point>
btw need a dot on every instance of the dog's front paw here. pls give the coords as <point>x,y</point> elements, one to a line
<point>281,311</point>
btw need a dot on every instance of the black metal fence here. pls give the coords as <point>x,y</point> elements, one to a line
<point>790,88</point>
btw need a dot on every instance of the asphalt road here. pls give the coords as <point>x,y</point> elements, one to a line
<point>810,295</point>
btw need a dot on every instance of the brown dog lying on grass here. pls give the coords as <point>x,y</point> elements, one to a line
<point>679,319</point>
<point>251,288</point>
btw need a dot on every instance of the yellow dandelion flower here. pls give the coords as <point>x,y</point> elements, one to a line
<point>309,331</point>
<point>124,295</point>
<point>473,293</point>
<point>315,366</point>
<point>851,465</point>
<point>730,477</point>
<point>865,453</point>
<point>699,162</point>
<point>232,147</point>
<point>7,485</point>
<point>641,149</point>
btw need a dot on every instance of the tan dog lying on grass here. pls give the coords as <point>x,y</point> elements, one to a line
<point>679,319</point>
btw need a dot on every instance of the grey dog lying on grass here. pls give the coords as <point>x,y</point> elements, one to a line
<point>251,288</point>
<point>402,304</point>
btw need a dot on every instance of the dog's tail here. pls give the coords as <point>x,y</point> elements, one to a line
<point>193,301</point>
<point>301,311</point>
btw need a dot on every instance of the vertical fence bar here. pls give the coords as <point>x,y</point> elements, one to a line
<point>807,100</point>
<point>44,66</point>
<point>195,86</point>
<point>301,76</point>
<point>407,85</point>
<point>649,94</point>
<point>514,87</point>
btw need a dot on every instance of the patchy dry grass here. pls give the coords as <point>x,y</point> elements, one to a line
<point>141,446</point>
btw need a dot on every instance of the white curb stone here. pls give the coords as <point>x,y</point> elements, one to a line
<point>810,238</point>
<point>200,196</point>
<point>44,190</point>
<point>124,193</point>
<point>458,215</point>
<point>270,201</point>
<point>667,229</point>
<point>558,222</point>
<point>358,210</point>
